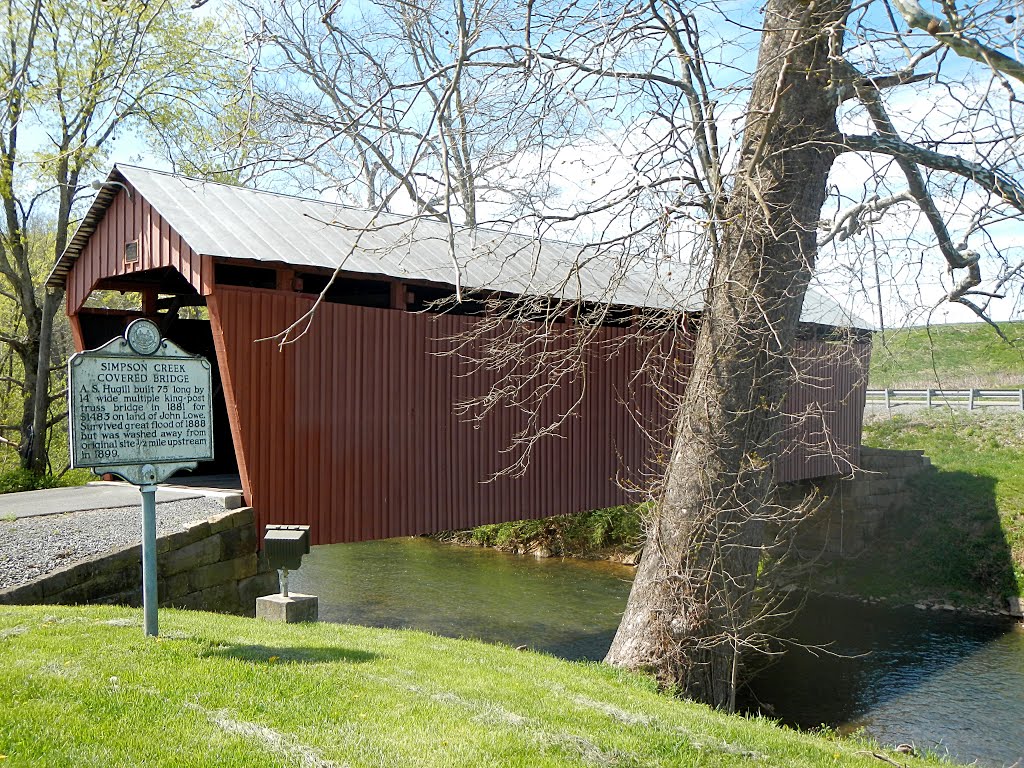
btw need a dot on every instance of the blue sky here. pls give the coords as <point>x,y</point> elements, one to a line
<point>899,247</point>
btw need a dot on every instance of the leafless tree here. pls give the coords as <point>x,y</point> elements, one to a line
<point>376,102</point>
<point>736,147</point>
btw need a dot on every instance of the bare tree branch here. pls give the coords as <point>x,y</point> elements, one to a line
<point>993,181</point>
<point>851,221</point>
<point>955,39</point>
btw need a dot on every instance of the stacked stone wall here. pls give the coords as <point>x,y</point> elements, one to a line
<point>854,507</point>
<point>211,565</point>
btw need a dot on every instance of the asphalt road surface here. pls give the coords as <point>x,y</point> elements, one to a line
<point>100,495</point>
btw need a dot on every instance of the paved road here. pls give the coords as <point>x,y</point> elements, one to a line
<point>56,501</point>
<point>879,409</point>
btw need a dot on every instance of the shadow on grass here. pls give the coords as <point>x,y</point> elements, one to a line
<point>946,543</point>
<point>268,654</point>
<point>964,530</point>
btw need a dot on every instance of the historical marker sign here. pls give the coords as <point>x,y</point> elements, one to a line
<point>139,400</point>
<point>140,408</point>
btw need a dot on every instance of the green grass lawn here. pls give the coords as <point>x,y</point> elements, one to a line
<point>948,356</point>
<point>83,687</point>
<point>962,539</point>
<point>18,480</point>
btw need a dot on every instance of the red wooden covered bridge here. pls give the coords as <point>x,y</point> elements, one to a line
<point>353,429</point>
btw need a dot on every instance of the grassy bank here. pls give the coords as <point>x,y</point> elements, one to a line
<point>615,533</point>
<point>949,356</point>
<point>962,539</point>
<point>82,687</point>
<point>18,480</point>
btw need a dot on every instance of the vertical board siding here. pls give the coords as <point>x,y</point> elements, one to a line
<point>824,410</point>
<point>159,246</point>
<point>351,429</point>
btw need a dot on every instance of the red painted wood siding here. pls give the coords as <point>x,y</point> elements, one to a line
<point>351,430</point>
<point>159,246</point>
<point>825,410</point>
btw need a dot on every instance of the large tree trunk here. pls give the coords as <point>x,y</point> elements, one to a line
<point>29,361</point>
<point>38,457</point>
<point>685,619</point>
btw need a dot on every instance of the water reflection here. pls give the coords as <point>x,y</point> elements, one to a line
<point>975,703</point>
<point>937,680</point>
<point>566,608</point>
<point>934,679</point>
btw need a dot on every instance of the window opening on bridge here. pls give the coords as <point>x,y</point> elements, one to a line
<point>131,252</point>
<point>606,316</point>
<point>245,276</point>
<point>545,310</point>
<point>185,307</point>
<point>439,300</point>
<point>360,293</point>
<point>830,333</point>
<point>107,299</point>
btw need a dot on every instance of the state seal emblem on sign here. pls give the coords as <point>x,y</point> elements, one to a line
<point>143,336</point>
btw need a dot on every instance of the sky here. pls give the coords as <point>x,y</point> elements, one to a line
<point>895,258</point>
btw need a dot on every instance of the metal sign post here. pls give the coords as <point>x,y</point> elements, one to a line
<point>140,408</point>
<point>150,600</point>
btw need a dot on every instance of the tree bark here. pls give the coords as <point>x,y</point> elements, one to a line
<point>686,616</point>
<point>38,455</point>
<point>68,175</point>
<point>29,356</point>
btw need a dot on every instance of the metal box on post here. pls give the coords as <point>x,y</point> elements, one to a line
<point>285,545</point>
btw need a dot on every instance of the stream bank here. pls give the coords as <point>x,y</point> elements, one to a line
<point>615,535</point>
<point>547,538</point>
<point>879,539</point>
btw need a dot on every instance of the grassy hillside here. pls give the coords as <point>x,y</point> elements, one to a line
<point>950,356</point>
<point>82,687</point>
<point>962,539</point>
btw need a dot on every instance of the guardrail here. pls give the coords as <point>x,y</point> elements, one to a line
<point>968,398</point>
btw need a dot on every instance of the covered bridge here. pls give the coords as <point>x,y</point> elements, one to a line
<point>352,428</point>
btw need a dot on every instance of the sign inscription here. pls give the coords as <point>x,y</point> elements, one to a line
<point>130,409</point>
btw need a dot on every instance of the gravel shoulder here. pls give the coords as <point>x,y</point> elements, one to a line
<point>33,546</point>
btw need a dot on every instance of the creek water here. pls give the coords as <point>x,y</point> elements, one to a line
<point>937,680</point>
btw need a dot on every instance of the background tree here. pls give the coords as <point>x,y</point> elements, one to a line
<point>377,102</point>
<point>75,79</point>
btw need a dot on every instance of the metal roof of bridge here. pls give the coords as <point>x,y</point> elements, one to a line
<point>232,222</point>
